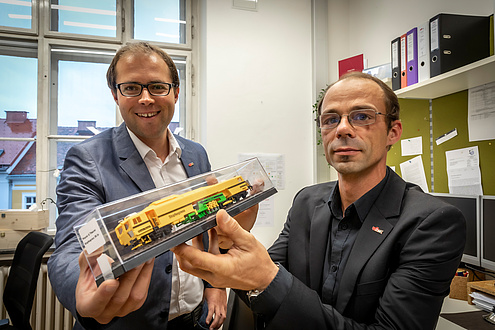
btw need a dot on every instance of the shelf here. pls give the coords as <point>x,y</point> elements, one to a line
<point>482,286</point>
<point>468,76</point>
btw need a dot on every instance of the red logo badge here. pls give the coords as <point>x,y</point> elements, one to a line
<point>377,229</point>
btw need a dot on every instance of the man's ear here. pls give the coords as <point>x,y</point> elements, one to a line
<point>115,97</point>
<point>394,133</point>
<point>176,94</point>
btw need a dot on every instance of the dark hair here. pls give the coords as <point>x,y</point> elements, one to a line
<point>392,107</point>
<point>140,48</point>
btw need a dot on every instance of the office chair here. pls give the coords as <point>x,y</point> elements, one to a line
<point>21,283</point>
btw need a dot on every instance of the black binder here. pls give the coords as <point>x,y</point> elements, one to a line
<point>395,63</point>
<point>457,40</point>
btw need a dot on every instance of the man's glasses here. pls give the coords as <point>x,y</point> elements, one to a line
<point>361,117</point>
<point>135,89</point>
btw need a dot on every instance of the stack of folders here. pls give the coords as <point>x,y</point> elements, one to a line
<point>483,301</point>
<point>446,42</point>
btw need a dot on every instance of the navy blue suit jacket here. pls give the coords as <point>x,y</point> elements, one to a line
<point>99,170</point>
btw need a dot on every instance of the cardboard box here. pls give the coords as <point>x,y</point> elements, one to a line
<point>458,286</point>
<point>24,219</point>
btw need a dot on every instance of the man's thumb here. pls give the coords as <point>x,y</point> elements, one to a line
<point>226,223</point>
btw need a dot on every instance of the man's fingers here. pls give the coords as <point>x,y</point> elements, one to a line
<point>213,238</point>
<point>195,262</point>
<point>140,288</point>
<point>258,186</point>
<point>227,226</point>
<point>197,242</point>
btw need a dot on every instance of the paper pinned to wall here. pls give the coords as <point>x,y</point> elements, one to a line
<point>412,146</point>
<point>413,171</point>
<point>463,171</point>
<point>481,112</point>
<point>266,213</point>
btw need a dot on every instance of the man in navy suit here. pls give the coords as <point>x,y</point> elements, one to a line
<point>366,251</point>
<point>137,156</point>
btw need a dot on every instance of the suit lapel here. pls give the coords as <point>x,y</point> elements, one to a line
<point>381,217</point>
<point>318,244</point>
<point>368,240</point>
<point>187,158</point>
<point>131,162</point>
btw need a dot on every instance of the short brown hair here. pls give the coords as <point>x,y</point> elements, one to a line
<point>392,106</point>
<point>140,48</point>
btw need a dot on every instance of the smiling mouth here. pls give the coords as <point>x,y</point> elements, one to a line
<point>147,115</point>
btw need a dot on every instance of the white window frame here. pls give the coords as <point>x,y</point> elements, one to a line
<point>25,196</point>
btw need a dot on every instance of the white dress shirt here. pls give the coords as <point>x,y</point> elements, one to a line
<point>187,290</point>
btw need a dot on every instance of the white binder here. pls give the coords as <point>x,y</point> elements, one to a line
<point>423,51</point>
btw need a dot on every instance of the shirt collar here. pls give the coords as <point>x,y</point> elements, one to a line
<point>143,149</point>
<point>362,205</point>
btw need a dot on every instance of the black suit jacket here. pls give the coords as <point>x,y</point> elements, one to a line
<point>99,170</point>
<point>394,280</point>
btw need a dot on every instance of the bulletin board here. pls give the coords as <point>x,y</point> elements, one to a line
<point>451,112</point>
<point>415,117</point>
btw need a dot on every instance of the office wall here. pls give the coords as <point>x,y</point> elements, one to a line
<point>368,27</point>
<point>256,90</point>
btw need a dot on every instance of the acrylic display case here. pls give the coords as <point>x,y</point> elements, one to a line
<point>123,234</point>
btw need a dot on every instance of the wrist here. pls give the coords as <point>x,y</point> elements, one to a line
<point>252,294</point>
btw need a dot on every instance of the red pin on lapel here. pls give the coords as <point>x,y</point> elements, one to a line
<point>190,164</point>
<point>377,229</point>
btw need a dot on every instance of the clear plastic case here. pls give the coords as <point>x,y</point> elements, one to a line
<point>123,234</point>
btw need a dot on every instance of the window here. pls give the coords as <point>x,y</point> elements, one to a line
<point>162,21</point>
<point>16,14</point>
<point>53,87</point>
<point>28,200</point>
<point>18,121</point>
<point>84,105</point>
<point>88,17</point>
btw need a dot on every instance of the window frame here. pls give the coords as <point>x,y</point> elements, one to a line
<point>46,136</point>
<point>25,196</point>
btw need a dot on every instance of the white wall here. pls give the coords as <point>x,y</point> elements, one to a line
<point>368,27</point>
<point>256,90</point>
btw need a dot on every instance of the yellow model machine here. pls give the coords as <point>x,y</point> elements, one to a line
<point>157,219</point>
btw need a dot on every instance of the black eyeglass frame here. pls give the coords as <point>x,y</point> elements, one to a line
<point>143,86</point>
<point>318,121</point>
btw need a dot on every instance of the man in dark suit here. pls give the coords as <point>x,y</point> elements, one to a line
<point>137,156</point>
<point>366,251</point>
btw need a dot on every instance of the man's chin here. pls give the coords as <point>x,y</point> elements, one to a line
<point>345,167</point>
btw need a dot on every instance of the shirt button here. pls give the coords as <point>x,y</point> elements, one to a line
<point>168,269</point>
<point>334,269</point>
<point>343,226</point>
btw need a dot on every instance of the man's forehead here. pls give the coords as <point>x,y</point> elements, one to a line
<point>354,89</point>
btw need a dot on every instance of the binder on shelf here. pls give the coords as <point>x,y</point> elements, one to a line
<point>423,52</point>
<point>457,40</point>
<point>403,61</point>
<point>395,63</point>
<point>412,56</point>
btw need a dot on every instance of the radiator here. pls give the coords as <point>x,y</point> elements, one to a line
<point>48,313</point>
